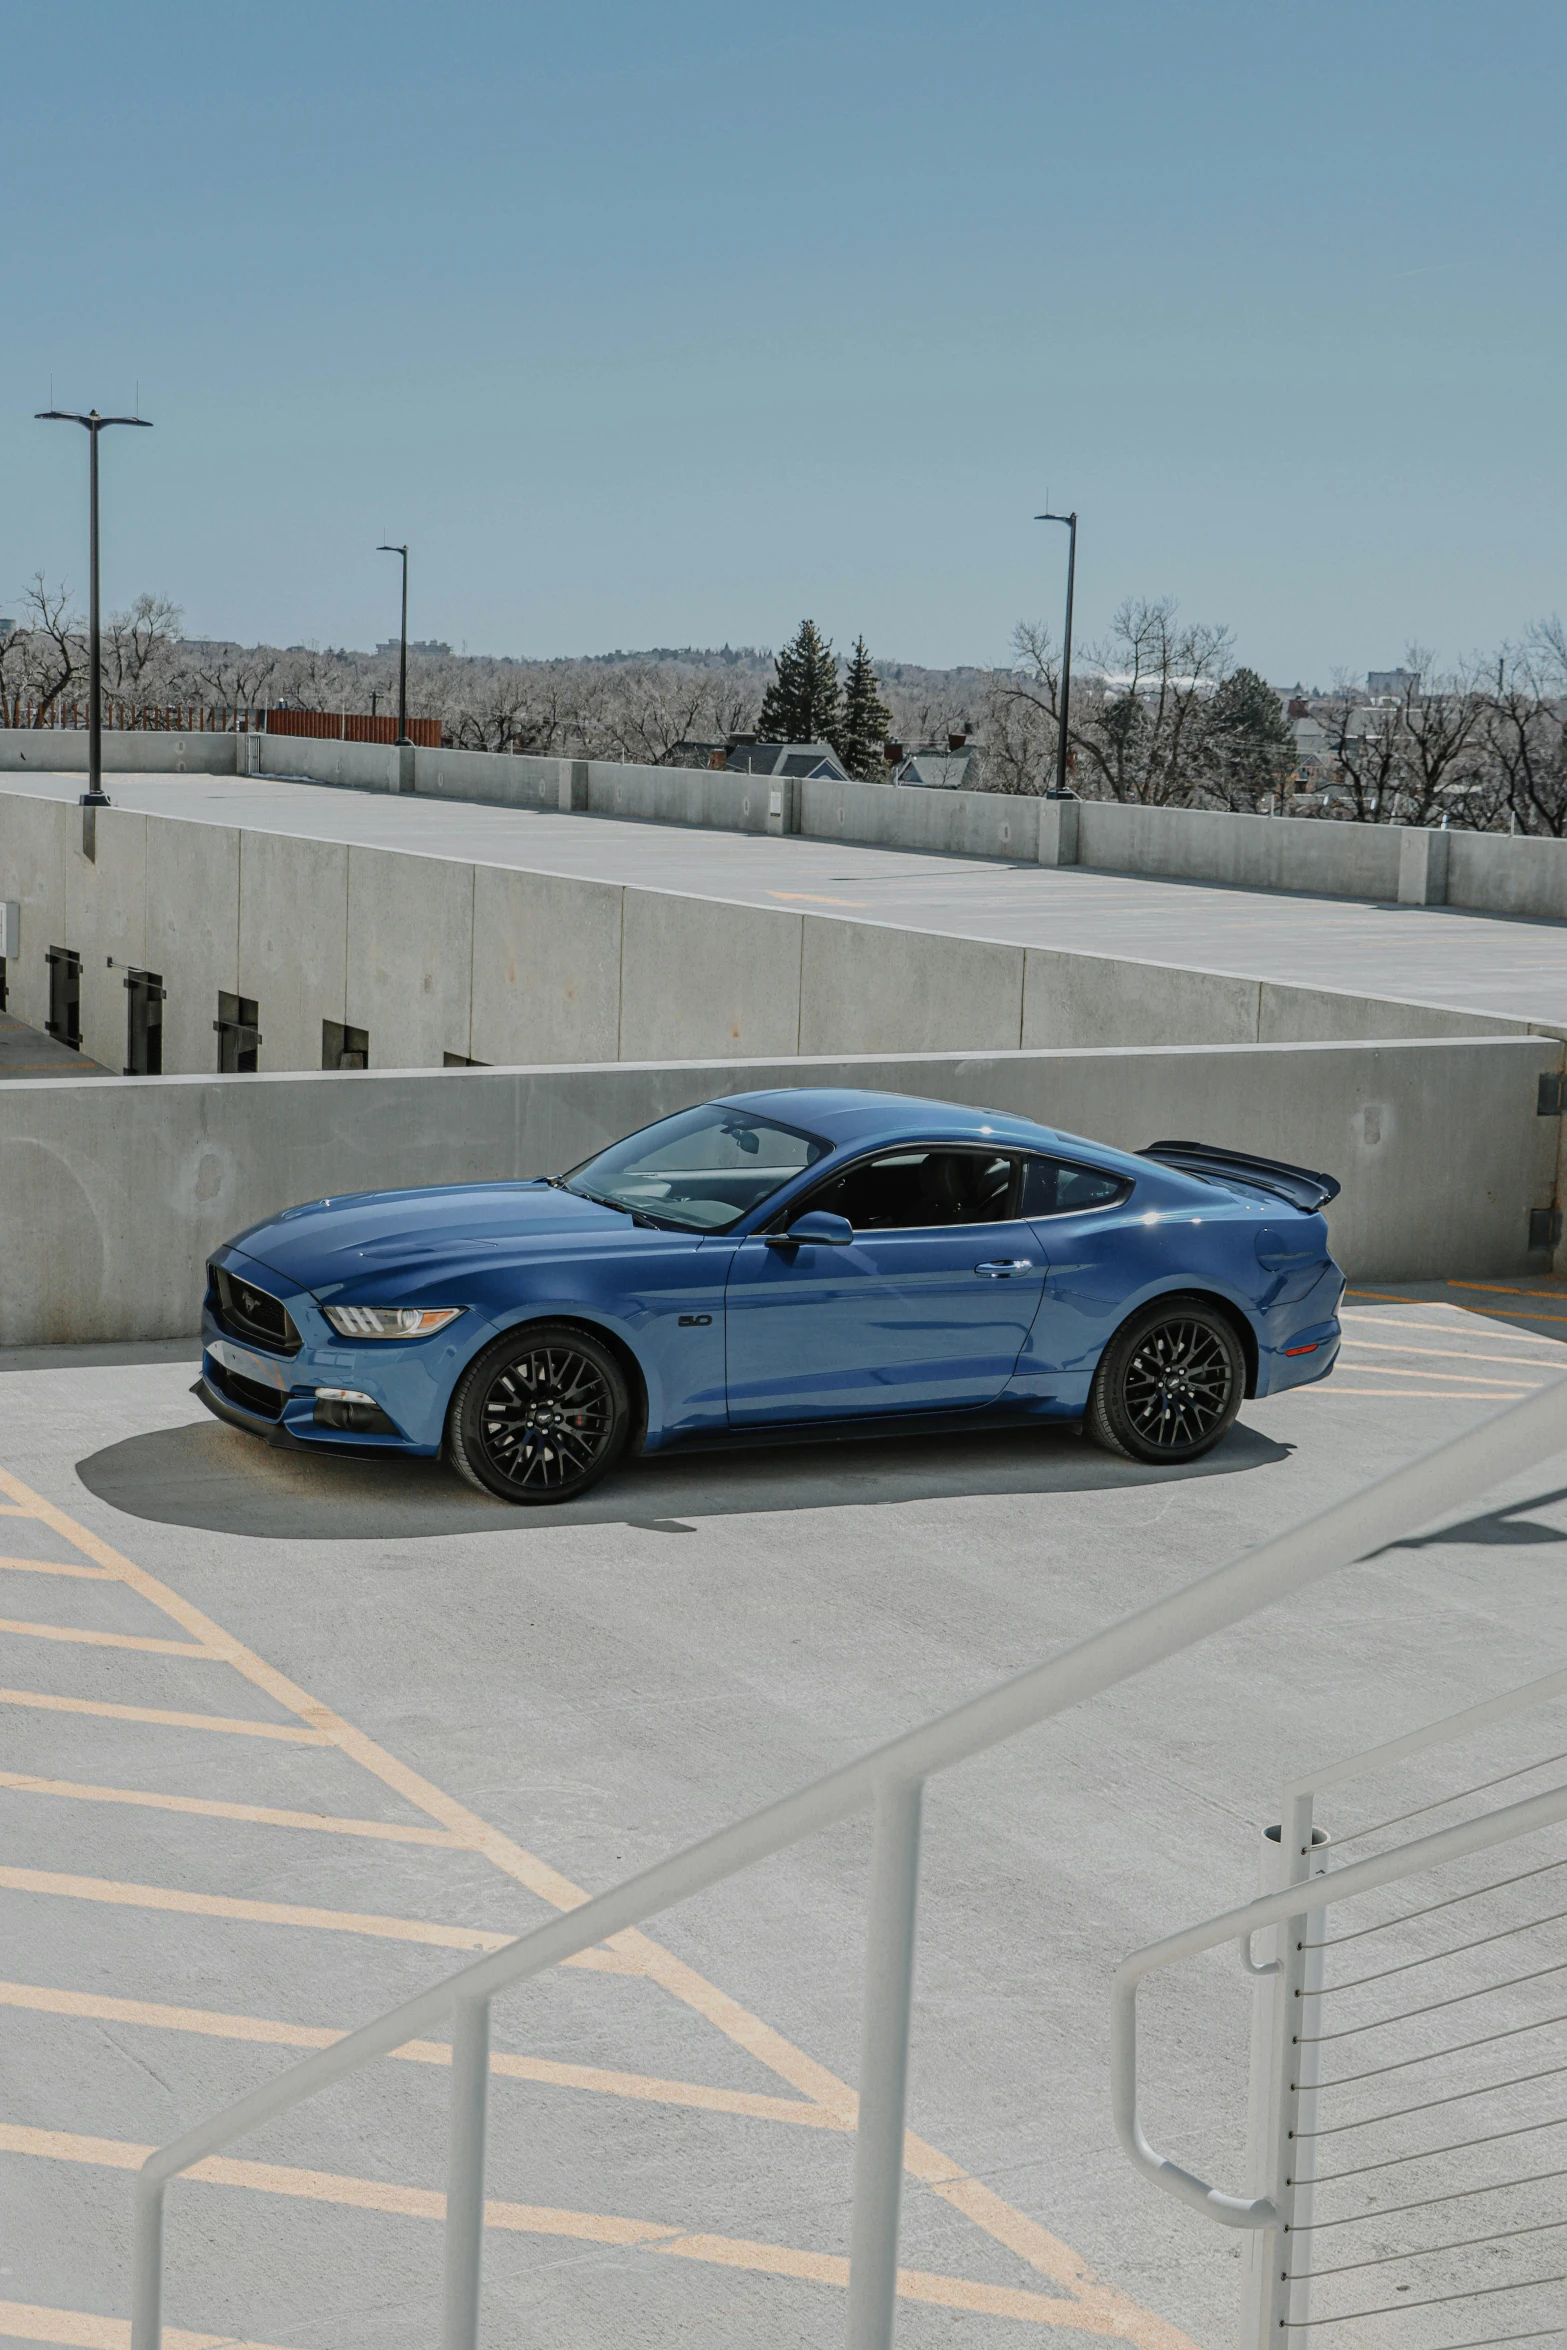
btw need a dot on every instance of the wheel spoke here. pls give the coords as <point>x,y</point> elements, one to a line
<point>546,1418</point>
<point>1177,1385</point>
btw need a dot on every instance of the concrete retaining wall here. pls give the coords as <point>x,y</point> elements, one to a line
<point>433,956</point>
<point>1488,872</point>
<point>63,750</point>
<point>115,1190</point>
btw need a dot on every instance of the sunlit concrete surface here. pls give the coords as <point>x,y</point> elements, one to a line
<point>1466,961</point>
<point>205,1871</point>
<point>28,1052</point>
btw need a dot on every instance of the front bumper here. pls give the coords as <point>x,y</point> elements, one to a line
<point>272,1395</point>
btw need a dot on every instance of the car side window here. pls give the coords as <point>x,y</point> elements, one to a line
<point>1054,1187</point>
<point>913,1190</point>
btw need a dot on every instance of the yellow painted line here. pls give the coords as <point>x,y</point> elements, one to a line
<point>79,2329</point>
<point>1427,1394</point>
<point>633,1951</point>
<point>165,1719</point>
<point>110,1639</point>
<point>1508,1289</point>
<point>207,1807</point>
<point>592,2227</point>
<point>1475,1378</point>
<point>806,897</point>
<point>65,1887</point>
<point>57,1567</point>
<point>92,2006</point>
<point>1453,1329</point>
<point>1455,1354</point>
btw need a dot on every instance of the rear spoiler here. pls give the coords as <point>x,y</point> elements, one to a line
<point>1301,1186</point>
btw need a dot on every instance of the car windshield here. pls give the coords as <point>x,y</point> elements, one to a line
<point>700,1171</point>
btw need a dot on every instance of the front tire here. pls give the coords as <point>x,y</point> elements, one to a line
<point>1169,1384</point>
<point>540,1416</point>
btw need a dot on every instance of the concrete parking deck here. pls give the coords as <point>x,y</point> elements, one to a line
<point>287,1739</point>
<point>1427,954</point>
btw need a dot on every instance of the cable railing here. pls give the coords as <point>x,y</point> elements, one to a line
<point>889,1782</point>
<point>1408,2157</point>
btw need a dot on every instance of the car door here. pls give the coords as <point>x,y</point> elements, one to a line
<point>926,1310</point>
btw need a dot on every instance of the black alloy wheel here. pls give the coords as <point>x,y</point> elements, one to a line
<point>540,1416</point>
<point>1169,1384</point>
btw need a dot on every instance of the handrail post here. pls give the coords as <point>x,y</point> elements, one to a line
<point>884,2066</point>
<point>147,2264</point>
<point>1283,2305</point>
<point>465,2174</point>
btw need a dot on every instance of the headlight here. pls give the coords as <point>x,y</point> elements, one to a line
<point>389,1321</point>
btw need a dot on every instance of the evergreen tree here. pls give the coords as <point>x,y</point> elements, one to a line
<point>1249,742</point>
<point>866,721</point>
<point>803,702</point>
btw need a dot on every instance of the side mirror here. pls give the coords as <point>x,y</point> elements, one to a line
<point>818,1228</point>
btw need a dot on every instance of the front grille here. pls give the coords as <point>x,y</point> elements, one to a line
<point>249,1313</point>
<point>266,1402</point>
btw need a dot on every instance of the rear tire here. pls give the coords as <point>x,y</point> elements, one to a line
<point>1169,1384</point>
<point>540,1416</point>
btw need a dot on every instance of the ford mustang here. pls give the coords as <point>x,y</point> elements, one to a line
<point>772,1265</point>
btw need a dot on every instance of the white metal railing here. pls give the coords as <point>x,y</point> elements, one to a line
<point>1461,2034</point>
<point>889,1782</point>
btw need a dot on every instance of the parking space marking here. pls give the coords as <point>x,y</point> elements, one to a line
<point>1446,1329</point>
<point>79,2329</point>
<point>45,1999</point>
<point>1476,1378</point>
<point>259,1815</point>
<point>79,1638</point>
<point>290,1732</point>
<point>58,1567</point>
<point>1457,1354</point>
<point>591,2227</point>
<point>274,1913</point>
<point>1090,2305</point>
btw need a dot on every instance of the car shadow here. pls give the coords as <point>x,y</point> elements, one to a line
<point>209,1476</point>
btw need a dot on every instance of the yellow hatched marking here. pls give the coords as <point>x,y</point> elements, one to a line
<point>212,2025</point>
<point>1449,1329</point>
<point>636,1952</point>
<point>591,2227</point>
<point>163,1717</point>
<point>1475,1378</point>
<point>79,2329</point>
<point>68,1632</point>
<point>274,1913</point>
<point>1424,1394</point>
<point>1456,1354</point>
<point>58,1567</point>
<point>258,1814</point>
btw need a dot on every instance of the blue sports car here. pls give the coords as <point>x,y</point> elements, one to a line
<point>780,1264</point>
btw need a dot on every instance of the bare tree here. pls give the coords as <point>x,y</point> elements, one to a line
<point>137,644</point>
<point>57,648</point>
<point>1525,734</point>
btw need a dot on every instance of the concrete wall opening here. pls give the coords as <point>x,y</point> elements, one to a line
<point>343,1047</point>
<point>239,1034</point>
<point>144,996</point>
<point>65,996</point>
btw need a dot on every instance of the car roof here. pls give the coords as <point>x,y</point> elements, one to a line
<point>853,1116</point>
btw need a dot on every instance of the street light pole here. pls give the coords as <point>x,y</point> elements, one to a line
<point>402,656</point>
<point>1066,649</point>
<point>94,796</point>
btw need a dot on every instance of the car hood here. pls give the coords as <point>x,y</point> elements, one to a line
<point>328,1242</point>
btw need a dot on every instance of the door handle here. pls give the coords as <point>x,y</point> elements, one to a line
<point>999,1268</point>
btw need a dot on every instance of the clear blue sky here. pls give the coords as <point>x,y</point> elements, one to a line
<point>665,326</point>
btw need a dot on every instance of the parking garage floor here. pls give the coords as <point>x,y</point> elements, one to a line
<point>1430,955</point>
<point>287,1740</point>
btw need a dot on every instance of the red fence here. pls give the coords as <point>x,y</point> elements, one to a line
<point>351,726</point>
<point>339,726</point>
